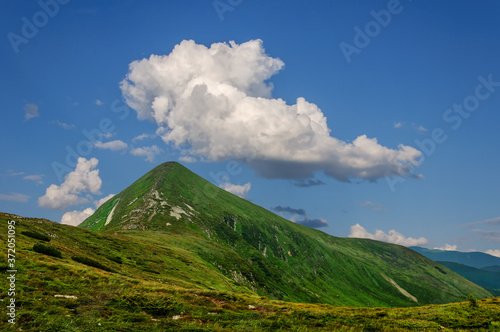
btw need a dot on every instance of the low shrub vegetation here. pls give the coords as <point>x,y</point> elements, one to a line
<point>90,262</point>
<point>47,250</point>
<point>36,235</point>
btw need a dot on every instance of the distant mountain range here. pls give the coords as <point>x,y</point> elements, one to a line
<point>478,260</point>
<point>478,267</point>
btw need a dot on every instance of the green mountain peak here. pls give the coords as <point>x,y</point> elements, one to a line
<point>257,251</point>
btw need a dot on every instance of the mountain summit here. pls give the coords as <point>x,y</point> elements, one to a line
<point>254,250</point>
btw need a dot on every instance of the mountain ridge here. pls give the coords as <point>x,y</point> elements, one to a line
<point>269,255</point>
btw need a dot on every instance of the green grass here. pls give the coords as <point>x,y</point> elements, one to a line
<point>185,285</point>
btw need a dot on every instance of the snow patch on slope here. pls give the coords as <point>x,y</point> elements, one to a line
<point>110,215</point>
<point>177,211</point>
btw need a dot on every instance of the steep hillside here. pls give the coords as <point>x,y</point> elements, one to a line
<point>473,259</point>
<point>263,253</point>
<point>488,279</point>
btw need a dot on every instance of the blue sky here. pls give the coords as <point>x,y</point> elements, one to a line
<point>421,74</point>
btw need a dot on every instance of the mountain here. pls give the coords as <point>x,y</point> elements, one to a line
<point>74,279</point>
<point>212,238</point>
<point>487,279</point>
<point>472,259</point>
<point>494,268</point>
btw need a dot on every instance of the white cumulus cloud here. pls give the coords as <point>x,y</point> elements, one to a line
<point>215,103</point>
<point>75,218</point>
<point>238,190</point>
<point>150,152</point>
<point>84,179</point>
<point>392,236</point>
<point>112,145</point>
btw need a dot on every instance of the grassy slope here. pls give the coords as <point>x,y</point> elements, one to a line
<point>487,279</point>
<point>137,299</point>
<point>267,254</point>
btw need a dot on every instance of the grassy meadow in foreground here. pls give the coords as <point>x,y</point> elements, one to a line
<point>126,293</point>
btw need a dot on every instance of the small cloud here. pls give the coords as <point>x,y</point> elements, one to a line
<point>241,191</point>
<point>75,218</point>
<point>14,173</point>
<point>418,128</point>
<point>488,235</point>
<point>98,102</point>
<point>187,159</point>
<point>288,209</point>
<point>141,137</point>
<point>150,152</point>
<point>14,197</point>
<point>493,252</point>
<point>308,183</point>
<point>313,223</point>
<point>486,222</point>
<point>34,178</point>
<point>374,206</point>
<point>296,213</point>
<point>112,145</point>
<point>31,111</point>
<point>421,128</point>
<point>413,126</point>
<point>358,231</point>
<point>63,125</point>
<point>448,247</point>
